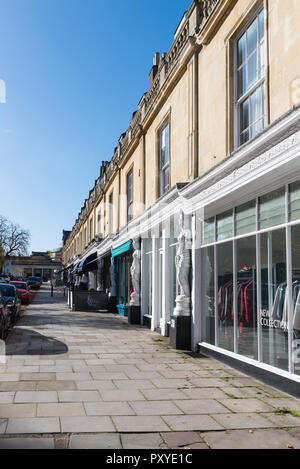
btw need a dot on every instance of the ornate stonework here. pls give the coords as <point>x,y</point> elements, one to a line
<point>280,149</point>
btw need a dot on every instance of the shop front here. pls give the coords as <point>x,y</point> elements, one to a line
<point>122,262</point>
<point>246,262</point>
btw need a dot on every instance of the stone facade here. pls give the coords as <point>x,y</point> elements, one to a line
<point>193,105</point>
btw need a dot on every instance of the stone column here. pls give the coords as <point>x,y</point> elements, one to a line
<point>134,311</point>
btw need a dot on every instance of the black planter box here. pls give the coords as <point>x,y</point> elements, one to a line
<point>180,332</point>
<point>134,315</point>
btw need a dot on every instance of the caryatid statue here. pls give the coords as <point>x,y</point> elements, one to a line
<point>135,271</point>
<point>183,261</point>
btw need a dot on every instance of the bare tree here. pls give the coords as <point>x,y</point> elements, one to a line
<point>14,240</point>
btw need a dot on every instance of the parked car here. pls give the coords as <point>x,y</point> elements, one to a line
<point>4,279</point>
<point>12,300</point>
<point>4,317</point>
<point>23,290</point>
<point>33,282</point>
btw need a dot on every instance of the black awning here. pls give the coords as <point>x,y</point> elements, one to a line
<point>88,264</point>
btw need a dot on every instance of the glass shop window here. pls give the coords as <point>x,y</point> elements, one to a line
<point>225,296</point>
<point>245,219</point>
<point>274,299</point>
<point>208,295</point>
<point>272,209</point>
<point>246,297</point>
<point>225,226</point>
<point>148,275</point>
<point>209,231</point>
<point>295,201</point>
<point>295,236</point>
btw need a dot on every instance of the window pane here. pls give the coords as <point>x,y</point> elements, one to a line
<point>244,137</point>
<point>246,297</point>
<point>225,226</point>
<point>242,50</point>
<point>261,71</point>
<point>245,118</point>
<point>252,70</point>
<point>255,106</point>
<point>295,201</point>
<point>296,297</point>
<point>162,157</point>
<point>257,128</point>
<point>225,297</point>
<point>261,20</point>
<point>242,82</point>
<point>208,295</point>
<point>246,218</point>
<point>272,209</point>
<point>274,304</point>
<point>252,36</point>
<point>209,231</point>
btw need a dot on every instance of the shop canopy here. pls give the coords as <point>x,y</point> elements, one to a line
<point>121,249</point>
<point>74,271</point>
<point>88,264</point>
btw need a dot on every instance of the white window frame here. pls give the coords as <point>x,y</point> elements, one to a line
<point>163,169</point>
<point>260,83</point>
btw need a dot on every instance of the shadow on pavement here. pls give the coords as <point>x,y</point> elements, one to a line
<point>27,342</point>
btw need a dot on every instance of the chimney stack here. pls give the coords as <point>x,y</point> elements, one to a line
<point>153,71</point>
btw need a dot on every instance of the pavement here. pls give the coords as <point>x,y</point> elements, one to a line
<point>89,380</point>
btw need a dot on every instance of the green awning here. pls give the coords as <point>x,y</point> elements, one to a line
<point>121,249</point>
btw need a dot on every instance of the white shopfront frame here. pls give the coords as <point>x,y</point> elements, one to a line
<point>257,233</point>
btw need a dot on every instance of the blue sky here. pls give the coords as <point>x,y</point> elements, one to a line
<point>74,71</point>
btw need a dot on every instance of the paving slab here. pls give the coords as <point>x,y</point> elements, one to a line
<point>61,410</point>
<point>133,384</point>
<point>257,439</point>
<point>180,439</point>
<point>17,410</point>
<point>142,441</point>
<point>137,424</point>
<point>203,393</point>
<point>155,408</point>
<point>56,386</point>
<point>122,395</point>
<point>86,424</point>
<point>192,422</point>
<point>108,408</point>
<point>284,403</point>
<point>243,421</point>
<point>100,441</point>
<point>79,396</point>
<point>26,443</point>
<point>37,377</point>
<point>246,405</point>
<point>202,406</point>
<point>33,425</point>
<point>3,425</point>
<point>6,397</point>
<point>35,396</point>
<point>284,420</point>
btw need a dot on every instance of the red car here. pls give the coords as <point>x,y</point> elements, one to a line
<point>23,290</point>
